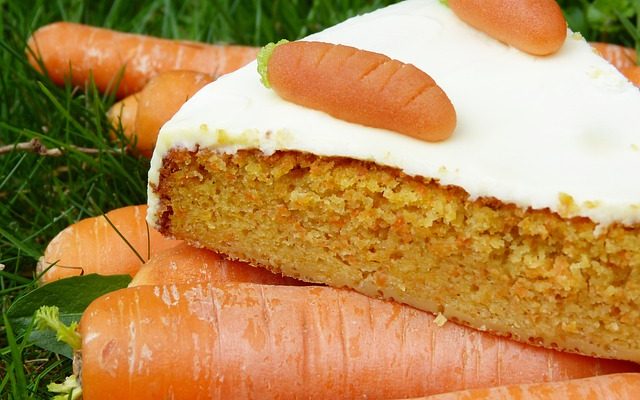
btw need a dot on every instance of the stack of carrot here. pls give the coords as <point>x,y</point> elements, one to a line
<point>153,76</point>
<point>194,325</point>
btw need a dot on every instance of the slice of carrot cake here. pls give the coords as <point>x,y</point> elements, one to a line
<point>525,222</point>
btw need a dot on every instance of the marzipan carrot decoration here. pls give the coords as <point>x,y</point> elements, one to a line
<point>116,243</point>
<point>621,57</point>
<point>358,86</point>
<point>534,26</point>
<point>185,264</point>
<point>105,55</point>
<point>284,342</point>
<point>606,387</point>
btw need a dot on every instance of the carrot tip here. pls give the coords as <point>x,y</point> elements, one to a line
<point>263,60</point>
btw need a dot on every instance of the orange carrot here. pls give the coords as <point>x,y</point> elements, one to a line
<point>621,57</point>
<point>607,387</point>
<point>633,74</point>
<point>92,245</point>
<point>160,99</point>
<point>142,114</point>
<point>274,342</point>
<point>534,26</point>
<point>184,264</point>
<point>82,50</point>
<point>123,113</point>
<point>359,86</point>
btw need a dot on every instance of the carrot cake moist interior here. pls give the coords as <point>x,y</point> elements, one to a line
<point>525,222</point>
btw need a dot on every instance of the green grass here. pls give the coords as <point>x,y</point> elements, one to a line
<point>40,195</point>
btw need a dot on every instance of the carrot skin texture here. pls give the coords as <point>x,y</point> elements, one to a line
<point>537,27</point>
<point>93,246</point>
<point>282,342</point>
<point>184,264</point>
<point>124,113</point>
<point>362,87</point>
<point>633,74</point>
<point>142,114</point>
<point>621,57</point>
<point>104,53</point>
<point>616,386</point>
<point>160,99</point>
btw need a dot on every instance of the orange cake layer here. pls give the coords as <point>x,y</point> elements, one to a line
<point>530,274</point>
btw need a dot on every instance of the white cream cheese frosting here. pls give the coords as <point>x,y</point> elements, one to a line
<point>560,132</point>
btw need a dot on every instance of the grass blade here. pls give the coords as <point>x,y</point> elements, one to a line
<point>15,371</point>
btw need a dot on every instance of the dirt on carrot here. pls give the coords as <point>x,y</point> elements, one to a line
<point>185,264</point>
<point>274,342</point>
<point>116,244</point>
<point>122,61</point>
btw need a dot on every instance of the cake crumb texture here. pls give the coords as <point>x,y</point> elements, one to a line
<point>529,274</point>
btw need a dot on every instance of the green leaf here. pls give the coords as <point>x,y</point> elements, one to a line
<point>576,19</point>
<point>16,370</point>
<point>71,296</point>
